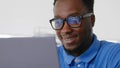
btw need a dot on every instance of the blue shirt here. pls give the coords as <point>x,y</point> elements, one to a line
<point>101,54</point>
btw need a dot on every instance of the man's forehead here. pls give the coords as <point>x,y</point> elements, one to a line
<point>65,0</point>
<point>68,7</point>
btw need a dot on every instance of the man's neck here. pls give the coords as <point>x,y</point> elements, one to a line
<point>81,50</point>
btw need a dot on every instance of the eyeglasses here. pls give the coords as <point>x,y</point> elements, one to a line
<point>72,21</point>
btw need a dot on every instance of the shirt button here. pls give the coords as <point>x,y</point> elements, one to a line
<point>78,65</point>
<point>76,60</point>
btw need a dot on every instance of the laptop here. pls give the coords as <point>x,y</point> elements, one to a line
<point>28,52</point>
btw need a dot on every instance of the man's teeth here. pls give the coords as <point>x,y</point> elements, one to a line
<point>69,39</point>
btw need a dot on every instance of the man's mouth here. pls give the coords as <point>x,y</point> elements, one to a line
<point>69,39</point>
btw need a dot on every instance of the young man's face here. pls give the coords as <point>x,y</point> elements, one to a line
<point>72,38</point>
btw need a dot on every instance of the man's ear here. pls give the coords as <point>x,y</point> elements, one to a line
<point>93,20</point>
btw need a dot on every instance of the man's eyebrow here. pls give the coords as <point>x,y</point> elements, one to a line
<point>74,14</point>
<point>56,16</point>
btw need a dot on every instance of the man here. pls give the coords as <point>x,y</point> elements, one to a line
<point>73,23</point>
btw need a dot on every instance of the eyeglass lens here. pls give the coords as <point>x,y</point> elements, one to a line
<point>72,22</point>
<point>57,23</point>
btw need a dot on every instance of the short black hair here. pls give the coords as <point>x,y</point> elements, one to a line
<point>88,3</point>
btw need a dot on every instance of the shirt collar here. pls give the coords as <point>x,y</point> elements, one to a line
<point>67,57</point>
<point>87,56</point>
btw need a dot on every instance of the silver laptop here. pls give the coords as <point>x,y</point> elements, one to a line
<point>28,52</point>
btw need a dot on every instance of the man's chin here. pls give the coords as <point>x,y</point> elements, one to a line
<point>70,50</point>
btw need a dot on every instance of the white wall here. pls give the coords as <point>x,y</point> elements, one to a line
<point>26,17</point>
<point>107,19</point>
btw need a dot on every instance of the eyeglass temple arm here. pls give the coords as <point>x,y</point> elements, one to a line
<point>88,14</point>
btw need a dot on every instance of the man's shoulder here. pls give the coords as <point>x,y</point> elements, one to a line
<point>109,45</point>
<point>109,49</point>
<point>108,54</point>
<point>60,48</point>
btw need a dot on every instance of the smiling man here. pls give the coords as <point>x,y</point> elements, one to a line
<point>73,22</point>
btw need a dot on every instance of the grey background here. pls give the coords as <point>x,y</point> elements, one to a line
<point>31,17</point>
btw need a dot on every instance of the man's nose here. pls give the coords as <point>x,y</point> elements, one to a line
<point>66,28</point>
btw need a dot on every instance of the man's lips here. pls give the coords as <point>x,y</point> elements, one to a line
<point>69,39</point>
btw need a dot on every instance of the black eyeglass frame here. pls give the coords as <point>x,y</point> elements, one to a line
<point>65,19</point>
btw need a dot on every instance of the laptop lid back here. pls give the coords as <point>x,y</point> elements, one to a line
<point>28,52</point>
